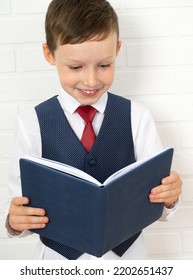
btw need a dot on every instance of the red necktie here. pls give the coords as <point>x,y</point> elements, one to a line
<point>87,113</point>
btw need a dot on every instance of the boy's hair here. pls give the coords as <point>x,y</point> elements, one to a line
<point>77,21</point>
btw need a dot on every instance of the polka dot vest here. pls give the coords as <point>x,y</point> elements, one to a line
<point>112,150</point>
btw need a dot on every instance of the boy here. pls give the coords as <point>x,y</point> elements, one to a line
<point>83,43</point>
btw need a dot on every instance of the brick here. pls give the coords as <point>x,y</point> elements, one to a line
<point>184,53</point>
<point>31,7</point>
<point>184,24</point>
<point>28,87</point>
<point>184,163</point>
<point>187,190</point>
<point>144,82</point>
<point>187,136</point>
<point>159,54</point>
<point>187,238</point>
<point>146,25</point>
<point>185,81</point>
<point>7,59</point>
<point>170,109</point>
<point>5,7</point>
<point>146,54</point>
<point>22,30</point>
<point>162,243</point>
<point>32,59</point>
<point>130,4</point>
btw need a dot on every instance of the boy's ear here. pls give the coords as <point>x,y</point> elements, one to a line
<point>48,54</point>
<point>119,44</point>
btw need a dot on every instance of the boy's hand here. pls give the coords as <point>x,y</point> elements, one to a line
<point>169,190</point>
<point>22,217</point>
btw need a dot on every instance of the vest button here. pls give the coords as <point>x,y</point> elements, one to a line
<point>92,162</point>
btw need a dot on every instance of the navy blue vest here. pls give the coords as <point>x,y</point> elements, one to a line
<point>112,150</point>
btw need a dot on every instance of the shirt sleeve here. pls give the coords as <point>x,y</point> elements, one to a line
<point>27,142</point>
<point>147,142</point>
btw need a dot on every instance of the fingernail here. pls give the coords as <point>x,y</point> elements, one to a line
<point>41,212</point>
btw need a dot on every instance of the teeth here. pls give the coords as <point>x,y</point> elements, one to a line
<point>88,91</point>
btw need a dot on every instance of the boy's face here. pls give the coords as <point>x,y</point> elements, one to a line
<point>85,70</point>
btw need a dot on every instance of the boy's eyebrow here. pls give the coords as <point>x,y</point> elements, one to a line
<point>79,61</point>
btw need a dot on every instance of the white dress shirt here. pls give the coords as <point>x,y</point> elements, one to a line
<point>28,142</point>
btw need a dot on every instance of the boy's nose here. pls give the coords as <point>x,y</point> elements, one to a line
<point>91,79</point>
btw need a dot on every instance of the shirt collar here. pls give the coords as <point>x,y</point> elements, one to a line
<point>70,104</point>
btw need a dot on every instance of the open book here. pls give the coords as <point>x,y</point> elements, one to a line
<point>87,215</point>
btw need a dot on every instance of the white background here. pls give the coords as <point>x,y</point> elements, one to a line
<point>155,67</point>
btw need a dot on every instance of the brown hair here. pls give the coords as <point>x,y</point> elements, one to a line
<point>77,21</point>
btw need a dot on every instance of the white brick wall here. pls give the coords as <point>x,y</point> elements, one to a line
<point>5,7</point>
<point>155,67</point>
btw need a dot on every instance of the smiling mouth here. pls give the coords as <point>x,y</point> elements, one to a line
<point>89,92</point>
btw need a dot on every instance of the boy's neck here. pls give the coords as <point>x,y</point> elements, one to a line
<point>70,104</point>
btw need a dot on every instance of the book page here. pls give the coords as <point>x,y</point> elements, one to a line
<point>83,175</point>
<point>63,168</point>
<point>130,167</point>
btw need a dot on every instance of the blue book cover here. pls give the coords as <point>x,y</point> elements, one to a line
<point>87,215</point>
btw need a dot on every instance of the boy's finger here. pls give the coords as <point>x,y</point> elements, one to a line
<point>22,227</point>
<point>19,201</point>
<point>21,223</point>
<point>171,178</point>
<point>26,211</point>
<point>28,220</point>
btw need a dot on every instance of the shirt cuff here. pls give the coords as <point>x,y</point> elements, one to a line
<point>15,233</point>
<point>169,212</point>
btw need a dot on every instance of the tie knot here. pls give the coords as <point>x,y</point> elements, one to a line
<point>87,113</point>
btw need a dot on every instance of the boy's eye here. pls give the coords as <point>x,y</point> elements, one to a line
<point>104,65</point>
<point>75,67</point>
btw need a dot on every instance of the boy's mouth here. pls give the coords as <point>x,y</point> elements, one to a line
<point>88,92</point>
